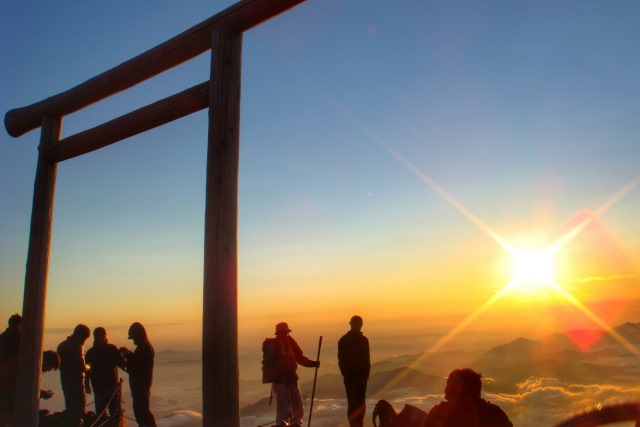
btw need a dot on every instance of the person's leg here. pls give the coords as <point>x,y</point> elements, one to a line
<point>356,390</point>
<point>360,402</point>
<point>281,393</point>
<point>74,398</point>
<point>297,408</point>
<point>100,395</point>
<point>142,413</point>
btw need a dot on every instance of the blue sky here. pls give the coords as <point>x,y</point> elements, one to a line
<point>525,112</point>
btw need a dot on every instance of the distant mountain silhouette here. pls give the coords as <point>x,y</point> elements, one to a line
<point>559,356</point>
<point>591,339</point>
<point>433,363</point>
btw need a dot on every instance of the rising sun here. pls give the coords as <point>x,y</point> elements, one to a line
<point>532,267</point>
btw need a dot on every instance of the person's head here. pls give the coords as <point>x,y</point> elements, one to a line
<point>137,332</point>
<point>82,332</point>
<point>100,335</point>
<point>463,383</point>
<point>356,323</point>
<point>15,321</point>
<point>282,329</point>
<point>50,360</point>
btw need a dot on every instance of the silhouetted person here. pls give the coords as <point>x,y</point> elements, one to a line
<point>10,339</point>
<point>72,369</point>
<point>284,353</point>
<point>355,364</point>
<point>104,359</point>
<point>464,406</point>
<point>9,383</point>
<point>140,368</point>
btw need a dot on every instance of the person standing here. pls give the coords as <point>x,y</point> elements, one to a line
<point>104,359</point>
<point>355,365</point>
<point>139,365</point>
<point>284,354</point>
<point>464,406</point>
<point>72,369</point>
<point>9,383</point>
<point>10,339</point>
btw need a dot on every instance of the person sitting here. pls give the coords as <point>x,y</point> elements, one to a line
<point>464,406</point>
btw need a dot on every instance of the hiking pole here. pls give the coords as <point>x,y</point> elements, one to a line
<point>270,396</point>
<point>315,377</point>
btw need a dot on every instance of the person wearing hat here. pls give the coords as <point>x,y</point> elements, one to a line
<point>286,355</point>
<point>72,369</point>
<point>355,364</point>
<point>104,359</point>
<point>140,369</point>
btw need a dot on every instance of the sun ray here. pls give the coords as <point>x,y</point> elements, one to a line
<point>495,236</point>
<point>452,333</point>
<point>595,214</point>
<point>597,320</point>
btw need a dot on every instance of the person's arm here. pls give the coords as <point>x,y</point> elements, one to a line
<point>88,360</point>
<point>342,355</point>
<point>75,356</point>
<point>118,359</point>
<point>46,394</point>
<point>301,358</point>
<point>368,357</point>
<point>87,382</point>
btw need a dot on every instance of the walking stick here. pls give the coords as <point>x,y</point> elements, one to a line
<point>315,377</point>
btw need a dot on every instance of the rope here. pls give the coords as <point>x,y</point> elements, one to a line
<point>103,413</point>
<point>92,402</point>
<point>130,419</point>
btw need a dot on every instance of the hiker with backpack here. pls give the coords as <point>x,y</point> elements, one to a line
<point>281,356</point>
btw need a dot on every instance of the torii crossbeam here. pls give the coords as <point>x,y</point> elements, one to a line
<point>222,34</point>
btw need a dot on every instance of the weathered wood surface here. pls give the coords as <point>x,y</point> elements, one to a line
<point>35,287</point>
<point>239,17</point>
<point>161,112</point>
<point>220,371</point>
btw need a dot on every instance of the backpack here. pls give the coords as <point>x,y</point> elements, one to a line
<point>410,416</point>
<point>269,358</point>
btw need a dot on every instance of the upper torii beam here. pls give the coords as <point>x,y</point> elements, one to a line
<point>221,33</point>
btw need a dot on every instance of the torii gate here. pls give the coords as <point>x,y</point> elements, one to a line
<point>222,33</point>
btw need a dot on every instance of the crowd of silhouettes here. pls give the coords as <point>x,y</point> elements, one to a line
<point>97,372</point>
<point>81,374</point>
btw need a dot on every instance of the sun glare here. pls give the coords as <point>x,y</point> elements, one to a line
<point>533,267</point>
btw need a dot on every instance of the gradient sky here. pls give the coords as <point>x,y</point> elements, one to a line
<point>372,134</point>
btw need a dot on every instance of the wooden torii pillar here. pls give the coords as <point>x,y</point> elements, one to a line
<point>221,33</point>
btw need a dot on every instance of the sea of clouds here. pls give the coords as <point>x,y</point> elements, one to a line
<point>176,396</point>
<point>537,402</point>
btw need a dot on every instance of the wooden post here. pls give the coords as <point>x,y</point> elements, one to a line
<point>220,372</point>
<point>121,420</point>
<point>35,287</point>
